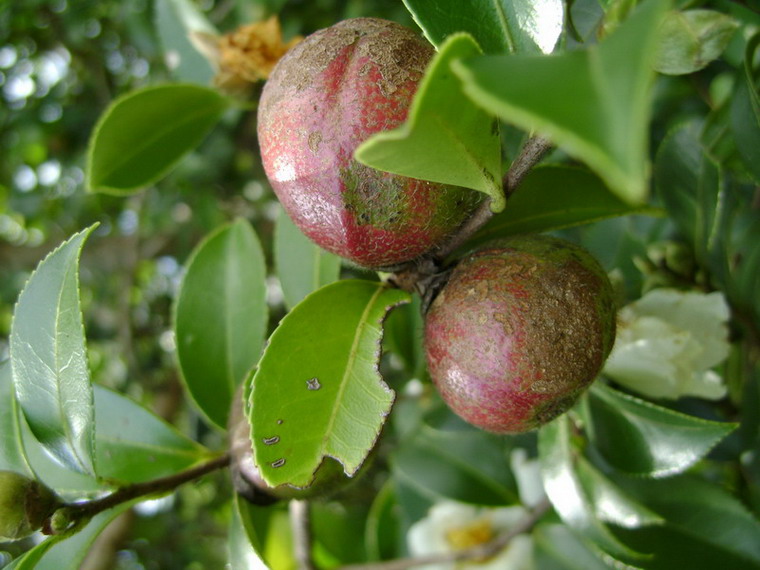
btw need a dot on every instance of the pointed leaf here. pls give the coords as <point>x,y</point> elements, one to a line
<point>302,266</point>
<point>595,104</point>
<point>49,359</point>
<point>221,317</point>
<point>175,21</point>
<point>555,197</point>
<point>565,491</point>
<point>641,438</point>
<point>517,26</point>
<point>461,148</point>
<point>11,450</point>
<point>134,445</point>
<point>317,388</point>
<point>691,39</point>
<point>143,135</point>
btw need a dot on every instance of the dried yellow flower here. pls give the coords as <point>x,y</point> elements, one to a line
<point>249,53</point>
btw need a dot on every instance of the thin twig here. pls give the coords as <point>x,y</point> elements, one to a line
<point>300,525</point>
<point>77,512</point>
<point>480,552</point>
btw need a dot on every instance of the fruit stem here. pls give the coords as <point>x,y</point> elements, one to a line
<point>75,513</point>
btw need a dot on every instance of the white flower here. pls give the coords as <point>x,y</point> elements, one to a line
<point>451,526</point>
<point>668,341</point>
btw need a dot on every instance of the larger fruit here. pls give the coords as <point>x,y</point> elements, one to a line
<point>520,329</point>
<point>325,97</point>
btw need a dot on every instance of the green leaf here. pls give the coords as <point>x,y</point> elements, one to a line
<point>49,359</point>
<point>565,490</point>
<point>11,450</point>
<point>461,148</point>
<point>705,527</point>
<point>641,438</point>
<point>145,133</point>
<point>557,548</point>
<point>595,104</point>
<point>244,544</point>
<point>302,266</point>
<point>692,39</point>
<point>221,317</point>
<point>268,532</point>
<point>555,197</point>
<point>175,21</point>
<point>745,112</point>
<point>517,26</point>
<point>134,445</point>
<point>317,388</point>
<point>383,527</point>
<point>690,185</point>
<point>450,465</point>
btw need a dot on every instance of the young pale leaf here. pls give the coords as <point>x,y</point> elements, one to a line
<point>462,148</point>
<point>594,104</point>
<point>11,451</point>
<point>692,39</point>
<point>143,135</point>
<point>641,438</point>
<point>49,359</point>
<point>690,185</point>
<point>555,197</point>
<point>317,391</point>
<point>302,266</point>
<point>134,445</point>
<point>565,490</point>
<point>220,317</point>
<point>705,527</point>
<point>175,21</point>
<point>516,26</point>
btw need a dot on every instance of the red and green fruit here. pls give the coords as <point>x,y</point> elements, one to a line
<point>326,96</point>
<point>519,331</point>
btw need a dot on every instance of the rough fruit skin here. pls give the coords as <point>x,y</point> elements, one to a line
<point>24,505</point>
<point>325,97</point>
<point>519,331</point>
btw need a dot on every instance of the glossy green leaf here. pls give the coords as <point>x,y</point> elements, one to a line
<point>317,391</point>
<point>49,359</point>
<point>516,26</point>
<point>449,465</point>
<point>143,135</point>
<point>175,21</point>
<point>555,197</point>
<point>705,527</point>
<point>641,438</point>
<point>220,317</point>
<point>612,504</point>
<point>594,104</point>
<point>268,532</point>
<point>462,148</point>
<point>302,266</point>
<point>690,185</point>
<point>745,112</point>
<point>11,451</point>
<point>692,39</point>
<point>557,548</point>
<point>61,551</point>
<point>243,555</point>
<point>383,527</point>
<point>565,490</point>
<point>134,445</point>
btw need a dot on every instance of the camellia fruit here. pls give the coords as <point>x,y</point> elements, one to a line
<point>24,505</point>
<point>326,96</point>
<point>519,331</point>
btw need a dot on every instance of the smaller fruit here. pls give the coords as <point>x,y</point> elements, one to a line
<point>519,331</point>
<point>247,480</point>
<point>24,505</point>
